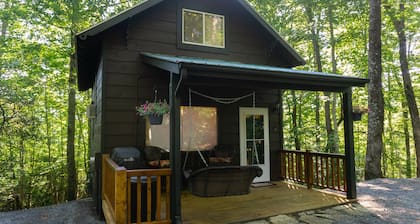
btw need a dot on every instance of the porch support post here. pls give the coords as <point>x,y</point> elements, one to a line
<point>349,144</point>
<point>281,134</point>
<point>281,120</point>
<point>175,153</point>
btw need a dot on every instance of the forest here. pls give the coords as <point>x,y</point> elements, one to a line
<point>44,134</point>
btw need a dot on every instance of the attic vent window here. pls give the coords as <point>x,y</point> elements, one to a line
<point>201,28</point>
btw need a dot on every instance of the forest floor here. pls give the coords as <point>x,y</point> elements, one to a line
<point>379,201</point>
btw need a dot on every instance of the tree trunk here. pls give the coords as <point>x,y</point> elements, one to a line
<point>318,63</point>
<point>376,100</point>
<point>407,141</point>
<point>4,26</point>
<point>4,20</point>
<point>71,122</point>
<point>399,25</point>
<point>48,135</point>
<point>294,121</point>
<point>332,129</point>
<point>388,152</point>
<point>71,163</point>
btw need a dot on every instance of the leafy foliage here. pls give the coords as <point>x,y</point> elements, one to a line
<point>35,47</point>
<point>155,108</point>
<point>350,19</point>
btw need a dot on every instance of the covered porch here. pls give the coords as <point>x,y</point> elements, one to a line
<point>185,71</point>
<point>279,197</point>
<point>332,171</point>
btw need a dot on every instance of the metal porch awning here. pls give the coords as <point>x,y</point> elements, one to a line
<point>252,74</point>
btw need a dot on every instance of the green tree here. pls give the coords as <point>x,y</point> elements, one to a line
<point>398,20</point>
<point>376,101</point>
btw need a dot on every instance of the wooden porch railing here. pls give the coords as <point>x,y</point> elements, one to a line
<point>117,193</point>
<point>323,170</point>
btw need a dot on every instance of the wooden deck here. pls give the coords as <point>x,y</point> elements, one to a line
<point>281,198</point>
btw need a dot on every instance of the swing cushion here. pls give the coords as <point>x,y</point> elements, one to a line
<point>223,180</point>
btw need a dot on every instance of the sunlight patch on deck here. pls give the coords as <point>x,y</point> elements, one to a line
<point>281,198</point>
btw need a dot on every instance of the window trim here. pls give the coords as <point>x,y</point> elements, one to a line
<point>204,29</point>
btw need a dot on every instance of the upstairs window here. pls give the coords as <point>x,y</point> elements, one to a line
<point>201,28</point>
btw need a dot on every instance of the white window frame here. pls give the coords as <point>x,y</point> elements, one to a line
<point>204,28</point>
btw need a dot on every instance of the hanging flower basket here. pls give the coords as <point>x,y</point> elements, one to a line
<point>155,119</point>
<point>154,111</point>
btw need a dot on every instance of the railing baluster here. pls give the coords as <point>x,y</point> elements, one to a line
<point>344,178</point>
<point>158,198</point>
<point>327,167</point>
<point>332,173</point>
<point>138,199</point>
<point>149,199</point>
<point>315,169</point>
<point>316,181</point>
<point>338,174</point>
<point>290,165</point>
<point>128,201</point>
<point>302,161</point>
<point>297,164</point>
<point>117,193</point>
<point>168,197</point>
<point>322,171</point>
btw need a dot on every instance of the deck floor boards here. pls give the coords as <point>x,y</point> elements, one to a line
<point>281,198</point>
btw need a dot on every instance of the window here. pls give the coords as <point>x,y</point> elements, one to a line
<point>205,29</point>
<point>198,129</point>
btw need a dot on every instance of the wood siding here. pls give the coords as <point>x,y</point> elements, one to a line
<point>128,82</point>
<point>96,122</point>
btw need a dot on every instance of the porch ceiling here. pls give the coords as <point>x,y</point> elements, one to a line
<point>210,71</point>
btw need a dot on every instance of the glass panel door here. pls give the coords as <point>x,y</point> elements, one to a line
<point>254,140</point>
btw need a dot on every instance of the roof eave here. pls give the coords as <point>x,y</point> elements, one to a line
<point>305,79</point>
<point>100,27</point>
<point>298,76</point>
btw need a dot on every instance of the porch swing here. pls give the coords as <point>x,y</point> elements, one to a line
<point>227,180</point>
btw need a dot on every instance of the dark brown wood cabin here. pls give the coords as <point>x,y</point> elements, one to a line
<point>167,45</point>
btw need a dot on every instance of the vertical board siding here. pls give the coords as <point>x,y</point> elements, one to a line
<point>128,82</point>
<point>96,123</point>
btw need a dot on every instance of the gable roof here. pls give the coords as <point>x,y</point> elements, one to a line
<point>87,46</point>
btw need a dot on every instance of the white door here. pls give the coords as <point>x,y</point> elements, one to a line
<point>254,137</point>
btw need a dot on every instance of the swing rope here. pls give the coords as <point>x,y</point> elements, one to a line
<point>224,100</point>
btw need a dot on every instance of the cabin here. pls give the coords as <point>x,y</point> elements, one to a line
<point>221,68</point>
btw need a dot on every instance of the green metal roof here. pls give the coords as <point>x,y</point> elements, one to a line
<point>257,74</point>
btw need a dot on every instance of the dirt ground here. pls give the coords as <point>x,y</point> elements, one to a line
<point>390,201</point>
<point>80,212</point>
<point>380,201</point>
<point>393,200</point>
